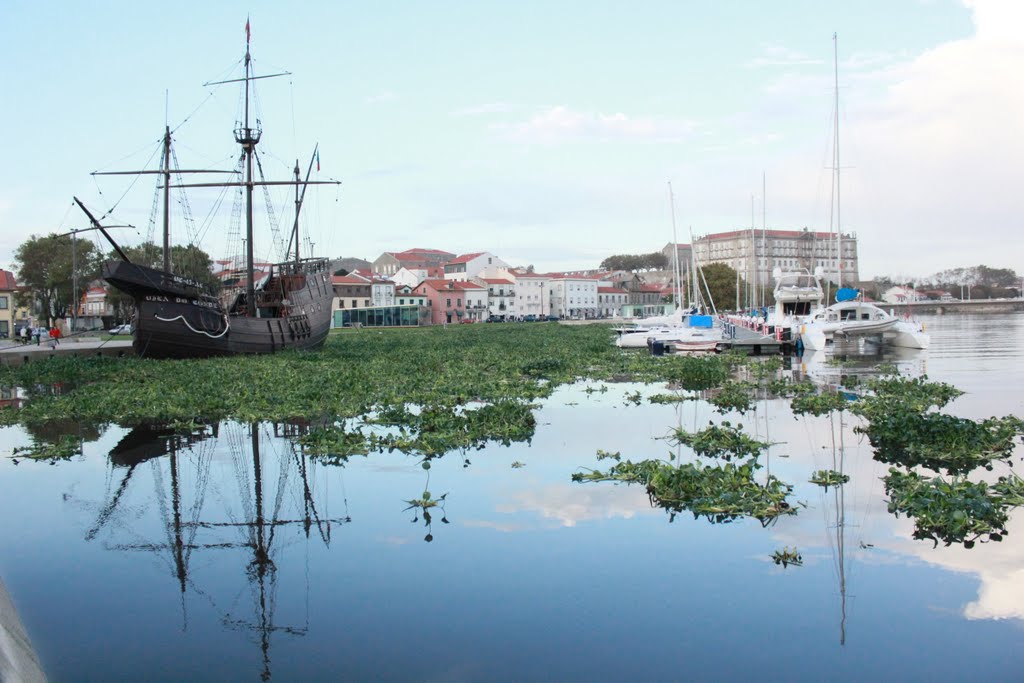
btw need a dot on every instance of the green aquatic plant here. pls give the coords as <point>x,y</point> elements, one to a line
<point>943,442</point>
<point>723,441</point>
<point>64,448</point>
<point>733,395</point>
<point>423,506</point>
<point>787,556</point>
<point>955,510</point>
<point>828,478</point>
<point>719,493</point>
<point>820,403</point>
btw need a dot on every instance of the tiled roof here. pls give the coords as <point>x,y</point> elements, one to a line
<point>7,281</point>
<point>497,281</point>
<point>348,280</point>
<point>452,285</point>
<point>464,258</point>
<point>770,233</point>
<point>611,290</point>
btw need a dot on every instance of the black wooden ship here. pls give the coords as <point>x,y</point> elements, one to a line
<point>288,307</point>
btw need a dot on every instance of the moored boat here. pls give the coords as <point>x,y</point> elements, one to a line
<point>287,307</point>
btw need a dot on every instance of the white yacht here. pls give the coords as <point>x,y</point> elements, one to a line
<point>851,318</point>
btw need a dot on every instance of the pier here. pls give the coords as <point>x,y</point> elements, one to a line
<point>15,354</point>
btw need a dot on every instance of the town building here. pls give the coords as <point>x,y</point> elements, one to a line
<point>610,301</point>
<point>390,262</point>
<point>754,254</point>
<point>453,301</point>
<point>414,276</point>
<point>573,296</point>
<point>8,309</point>
<point>532,296</point>
<point>350,292</point>
<point>501,298</point>
<point>469,266</point>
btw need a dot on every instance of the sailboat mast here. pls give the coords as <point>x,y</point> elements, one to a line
<point>167,199</point>
<point>839,257</point>
<point>764,238</point>
<point>677,272</point>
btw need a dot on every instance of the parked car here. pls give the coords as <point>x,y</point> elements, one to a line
<point>122,329</point>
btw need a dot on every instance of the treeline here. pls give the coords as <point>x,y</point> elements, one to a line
<point>634,262</point>
<point>973,282</point>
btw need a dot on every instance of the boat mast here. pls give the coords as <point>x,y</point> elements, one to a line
<point>247,137</point>
<point>835,66</point>
<point>677,271</point>
<point>167,198</point>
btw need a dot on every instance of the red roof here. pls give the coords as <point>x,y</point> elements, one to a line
<point>349,280</point>
<point>496,281</point>
<point>610,290</point>
<point>771,233</point>
<point>452,285</point>
<point>7,281</point>
<point>421,255</point>
<point>465,258</point>
<point>651,288</point>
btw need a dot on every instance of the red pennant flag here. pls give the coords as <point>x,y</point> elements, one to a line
<point>247,35</point>
<point>318,162</point>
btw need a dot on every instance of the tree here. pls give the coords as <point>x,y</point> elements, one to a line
<point>634,262</point>
<point>721,285</point>
<point>45,267</point>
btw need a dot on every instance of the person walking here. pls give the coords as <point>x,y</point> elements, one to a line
<point>23,334</point>
<point>35,335</point>
<point>55,335</point>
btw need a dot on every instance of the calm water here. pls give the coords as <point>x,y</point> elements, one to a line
<point>236,557</point>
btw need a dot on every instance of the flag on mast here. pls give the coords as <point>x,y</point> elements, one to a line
<point>318,161</point>
<point>247,34</point>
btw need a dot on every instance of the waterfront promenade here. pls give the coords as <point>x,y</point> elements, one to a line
<point>15,353</point>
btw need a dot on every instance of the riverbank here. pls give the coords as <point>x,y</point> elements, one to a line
<point>18,660</point>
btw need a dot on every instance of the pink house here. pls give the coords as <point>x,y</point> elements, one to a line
<point>452,301</point>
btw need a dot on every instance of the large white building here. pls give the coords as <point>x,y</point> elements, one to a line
<point>532,296</point>
<point>754,254</point>
<point>573,296</point>
<point>501,297</point>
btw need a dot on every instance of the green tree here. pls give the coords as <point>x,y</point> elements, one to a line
<point>45,267</point>
<point>720,285</point>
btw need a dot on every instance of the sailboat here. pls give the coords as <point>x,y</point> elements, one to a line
<point>288,307</point>
<point>850,317</point>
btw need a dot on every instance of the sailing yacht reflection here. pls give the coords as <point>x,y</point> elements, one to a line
<point>255,521</point>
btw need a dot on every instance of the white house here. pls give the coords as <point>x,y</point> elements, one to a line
<point>532,296</point>
<point>501,297</point>
<point>574,296</point>
<point>382,292</point>
<point>900,295</point>
<point>468,266</point>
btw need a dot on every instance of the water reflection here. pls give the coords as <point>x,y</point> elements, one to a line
<point>190,513</point>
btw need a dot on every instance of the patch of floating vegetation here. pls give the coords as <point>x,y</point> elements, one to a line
<point>720,493</point>
<point>954,511</point>
<point>787,556</point>
<point>828,478</point>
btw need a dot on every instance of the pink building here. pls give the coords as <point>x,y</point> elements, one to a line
<point>452,301</point>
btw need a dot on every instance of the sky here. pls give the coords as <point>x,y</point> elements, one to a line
<point>544,132</point>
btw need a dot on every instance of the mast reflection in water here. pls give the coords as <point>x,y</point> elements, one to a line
<point>193,513</point>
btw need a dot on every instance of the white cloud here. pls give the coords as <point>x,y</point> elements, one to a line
<point>938,156</point>
<point>570,505</point>
<point>562,124</point>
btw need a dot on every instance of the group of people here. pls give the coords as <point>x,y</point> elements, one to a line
<point>35,335</point>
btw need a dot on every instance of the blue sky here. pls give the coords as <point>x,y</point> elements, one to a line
<point>545,132</point>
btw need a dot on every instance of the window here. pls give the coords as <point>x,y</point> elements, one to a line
<point>448,303</point>
<point>3,303</point>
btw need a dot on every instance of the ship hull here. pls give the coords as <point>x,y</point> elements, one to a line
<point>176,319</point>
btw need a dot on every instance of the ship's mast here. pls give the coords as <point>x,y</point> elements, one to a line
<point>167,198</point>
<point>248,137</point>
